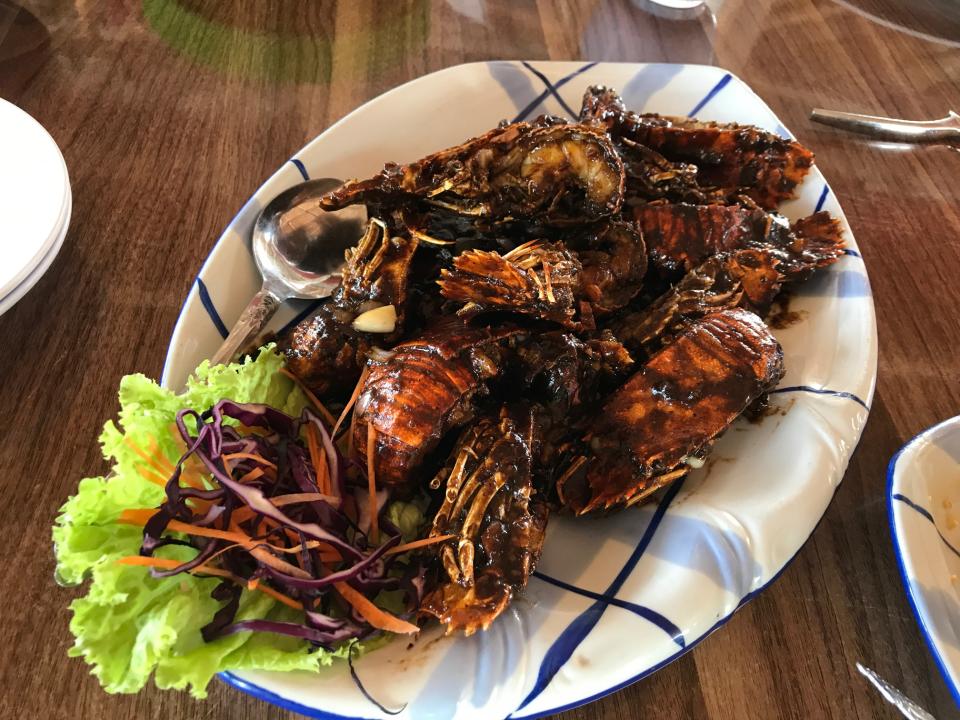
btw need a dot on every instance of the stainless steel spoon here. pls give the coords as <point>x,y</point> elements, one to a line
<point>943,130</point>
<point>298,248</point>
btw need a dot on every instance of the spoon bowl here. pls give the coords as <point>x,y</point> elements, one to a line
<point>298,248</point>
<point>299,245</point>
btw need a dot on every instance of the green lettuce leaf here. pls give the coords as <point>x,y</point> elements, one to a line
<point>408,516</point>
<point>130,625</point>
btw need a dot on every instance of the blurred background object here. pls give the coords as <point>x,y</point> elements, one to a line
<point>24,47</point>
<point>934,20</point>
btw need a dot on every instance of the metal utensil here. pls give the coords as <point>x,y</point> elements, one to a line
<point>907,707</point>
<point>298,248</point>
<point>944,130</point>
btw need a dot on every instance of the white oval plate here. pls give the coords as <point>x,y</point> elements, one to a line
<point>614,598</point>
<point>923,493</point>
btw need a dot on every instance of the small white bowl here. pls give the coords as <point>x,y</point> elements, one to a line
<point>924,502</point>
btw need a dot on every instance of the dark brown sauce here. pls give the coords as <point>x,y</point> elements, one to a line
<point>759,412</point>
<point>781,316</point>
<point>783,320</point>
<point>419,657</point>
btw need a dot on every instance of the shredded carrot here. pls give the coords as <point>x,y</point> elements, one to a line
<point>152,476</point>
<point>318,458</point>
<point>252,475</point>
<point>193,470</point>
<point>191,476</point>
<point>353,399</point>
<point>267,558</point>
<point>199,507</point>
<point>313,398</point>
<point>169,564</point>
<point>327,554</point>
<point>254,430</point>
<point>279,596</point>
<point>146,457</point>
<point>253,584</point>
<point>154,449</point>
<point>192,480</point>
<point>246,513</point>
<point>418,544</point>
<point>250,456</point>
<point>326,483</point>
<point>380,619</point>
<point>264,556</point>
<point>161,465</point>
<point>293,498</point>
<point>372,482</point>
<point>137,516</point>
<point>236,536</point>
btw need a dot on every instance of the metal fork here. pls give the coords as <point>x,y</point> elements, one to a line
<point>943,130</point>
<point>908,708</point>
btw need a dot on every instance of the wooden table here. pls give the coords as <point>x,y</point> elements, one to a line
<point>171,112</point>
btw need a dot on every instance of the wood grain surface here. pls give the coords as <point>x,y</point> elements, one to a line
<point>171,112</point>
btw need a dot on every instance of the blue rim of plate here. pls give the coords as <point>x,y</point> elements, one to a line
<point>261,693</point>
<point>269,696</point>
<point>898,553</point>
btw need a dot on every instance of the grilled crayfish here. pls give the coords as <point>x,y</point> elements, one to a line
<point>578,320</point>
<point>424,389</point>
<point>736,159</point>
<point>682,236</point>
<point>595,272</point>
<point>325,350</point>
<point>498,521</point>
<point>672,410</point>
<point>555,172</point>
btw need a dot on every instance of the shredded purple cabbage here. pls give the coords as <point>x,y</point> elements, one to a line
<point>270,441</point>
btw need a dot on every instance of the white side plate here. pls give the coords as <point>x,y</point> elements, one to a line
<point>924,501</point>
<point>34,200</point>
<point>614,598</point>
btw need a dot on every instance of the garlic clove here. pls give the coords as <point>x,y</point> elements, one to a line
<point>379,320</point>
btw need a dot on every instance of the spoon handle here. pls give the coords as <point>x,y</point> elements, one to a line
<point>251,321</point>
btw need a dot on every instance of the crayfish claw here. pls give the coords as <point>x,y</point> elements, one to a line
<point>499,526</point>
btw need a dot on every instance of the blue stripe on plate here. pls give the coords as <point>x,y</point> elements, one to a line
<point>550,88</point>
<point>211,309</point>
<point>823,198</point>
<point>522,115</point>
<point>261,693</point>
<point>576,632</point>
<point>646,613</point>
<point>651,670</point>
<point>851,253</point>
<point>301,168</point>
<point>822,391</point>
<point>926,513</point>
<point>723,82</point>
<point>898,552</point>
